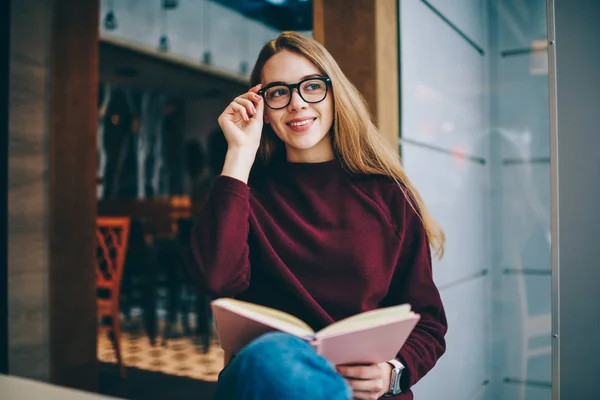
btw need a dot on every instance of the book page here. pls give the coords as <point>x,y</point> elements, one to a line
<point>368,319</point>
<point>272,316</point>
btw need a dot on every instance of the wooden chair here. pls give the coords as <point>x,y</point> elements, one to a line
<point>111,245</point>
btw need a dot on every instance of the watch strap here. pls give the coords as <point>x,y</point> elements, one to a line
<point>396,374</point>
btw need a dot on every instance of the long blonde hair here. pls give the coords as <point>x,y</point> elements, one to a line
<point>356,140</point>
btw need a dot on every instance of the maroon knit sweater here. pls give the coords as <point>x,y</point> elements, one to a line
<point>319,243</point>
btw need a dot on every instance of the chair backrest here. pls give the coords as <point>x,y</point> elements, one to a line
<point>111,246</point>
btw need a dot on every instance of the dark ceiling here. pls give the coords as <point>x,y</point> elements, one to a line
<point>293,15</point>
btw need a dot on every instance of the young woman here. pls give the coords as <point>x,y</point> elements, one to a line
<point>328,226</point>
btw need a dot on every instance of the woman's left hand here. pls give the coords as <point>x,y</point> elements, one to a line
<point>368,382</point>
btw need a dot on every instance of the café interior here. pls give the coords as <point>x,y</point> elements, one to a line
<point>159,148</point>
<point>129,93</point>
<point>112,144</point>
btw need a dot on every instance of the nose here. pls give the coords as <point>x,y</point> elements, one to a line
<point>296,102</point>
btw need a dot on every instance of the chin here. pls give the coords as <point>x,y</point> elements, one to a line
<point>304,143</point>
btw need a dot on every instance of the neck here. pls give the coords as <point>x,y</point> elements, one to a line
<point>322,152</point>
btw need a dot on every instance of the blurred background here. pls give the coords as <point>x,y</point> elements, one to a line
<point>167,70</point>
<point>113,144</point>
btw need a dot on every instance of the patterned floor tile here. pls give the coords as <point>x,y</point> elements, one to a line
<point>181,356</point>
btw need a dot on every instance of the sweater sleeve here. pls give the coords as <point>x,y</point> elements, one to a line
<point>219,241</point>
<point>413,283</point>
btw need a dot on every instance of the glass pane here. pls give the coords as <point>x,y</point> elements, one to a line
<point>475,142</point>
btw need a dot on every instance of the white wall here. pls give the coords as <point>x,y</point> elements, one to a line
<point>444,116</point>
<point>193,28</point>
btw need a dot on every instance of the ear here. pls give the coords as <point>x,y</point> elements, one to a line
<point>266,119</point>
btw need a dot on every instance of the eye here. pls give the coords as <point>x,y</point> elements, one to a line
<point>314,85</point>
<point>276,92</point>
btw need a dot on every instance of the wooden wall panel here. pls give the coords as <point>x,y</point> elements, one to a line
<point>387,71</point>
<point>51,191</point>
<point>4,79</point>
<point>28,190</point>
<point>348,33</point>
<point>72,201</point>
<point>362,36</point>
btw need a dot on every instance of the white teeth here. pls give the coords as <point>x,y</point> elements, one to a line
<point>306,121</point>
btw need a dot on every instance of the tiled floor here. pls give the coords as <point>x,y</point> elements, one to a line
<point>181,356</point>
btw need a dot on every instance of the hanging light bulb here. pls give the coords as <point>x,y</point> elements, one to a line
<point>163,43</point>
<point>110,21</point>
<point>207,58</point>
<point>205,14</point>
<point>170,4</point>
<point>244,68</point>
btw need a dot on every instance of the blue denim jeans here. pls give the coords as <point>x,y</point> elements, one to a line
<point>283,367</point>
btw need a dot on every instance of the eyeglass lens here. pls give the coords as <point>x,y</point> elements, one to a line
<point>311,91</point>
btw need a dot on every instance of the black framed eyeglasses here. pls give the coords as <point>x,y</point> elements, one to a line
<point>311,90</point>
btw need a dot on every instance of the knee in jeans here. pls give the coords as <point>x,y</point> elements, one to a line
<point>282,363</point>
<point>275,348</point>
<point>278,340</point>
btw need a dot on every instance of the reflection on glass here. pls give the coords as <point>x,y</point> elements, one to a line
<point>475,141</point>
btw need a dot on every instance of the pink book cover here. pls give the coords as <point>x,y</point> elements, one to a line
<point>236,331</point>
<point>374,343</point>
<point>371,345</point>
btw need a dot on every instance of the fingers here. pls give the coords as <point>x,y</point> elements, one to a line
<point>366,396</point>
<point>251,101</point>
<point>247,104</point>
<point>260,106</point>
<point>371,385</point>
<point>239,109</point>
<point>252,94</point>
<point>255,89</point>
<point>366,381</point>
<point>371,389</point>
<point>359,371</point>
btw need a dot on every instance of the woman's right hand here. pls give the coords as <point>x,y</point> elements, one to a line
<point>242,121</point>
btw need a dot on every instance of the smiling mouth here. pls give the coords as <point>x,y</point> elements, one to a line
<point>301,123</point>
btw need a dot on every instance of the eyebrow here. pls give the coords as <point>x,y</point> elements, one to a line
<point>301,79</point>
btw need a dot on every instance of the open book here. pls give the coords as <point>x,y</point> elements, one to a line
<point>367,338</point>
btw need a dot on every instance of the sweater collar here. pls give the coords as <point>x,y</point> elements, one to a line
<point>306,167</point>
<point>302,173</point>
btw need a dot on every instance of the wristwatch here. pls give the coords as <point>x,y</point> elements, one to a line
<point>397,368</point>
